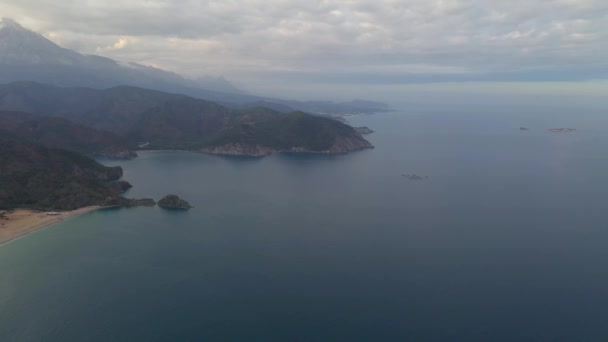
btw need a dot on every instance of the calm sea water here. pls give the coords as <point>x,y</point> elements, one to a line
<point>507,240</point>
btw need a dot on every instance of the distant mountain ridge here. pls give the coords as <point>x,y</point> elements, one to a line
<point>29,56</point>
<point>172,121</point>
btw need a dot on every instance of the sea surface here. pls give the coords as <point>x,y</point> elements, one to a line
<point>505,238</point>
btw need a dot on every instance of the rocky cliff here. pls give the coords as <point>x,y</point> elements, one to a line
<point>341,144</point>
<point>173,202</point>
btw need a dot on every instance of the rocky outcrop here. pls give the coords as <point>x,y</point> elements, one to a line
<point>342,144</point>
<point>173,202</point>
<point>345,144</point>
<point>363,130</point>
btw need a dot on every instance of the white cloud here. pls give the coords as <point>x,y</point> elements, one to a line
<point>250,37</point>
<point>120,44</point>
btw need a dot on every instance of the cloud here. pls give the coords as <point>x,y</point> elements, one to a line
<point>120,44</point>
<point>373,41</point>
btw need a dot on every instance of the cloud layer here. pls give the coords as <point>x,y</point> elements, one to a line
<point>339,41</point>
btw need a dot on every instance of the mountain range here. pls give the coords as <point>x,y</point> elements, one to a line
<point>142,118</point>
<point>57,105</point>
<point>28,56</point>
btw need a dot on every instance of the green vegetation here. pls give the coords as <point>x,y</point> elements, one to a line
<point>37,177</point>
<point>173,202</point>
<point>285,131</point>
<point>170,121</point>
<point>56,132</point>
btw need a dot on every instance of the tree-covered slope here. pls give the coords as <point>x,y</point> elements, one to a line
<point>170,121</point>
<point>297,132</point>
<point>57,132</point>
<point>37,177</point>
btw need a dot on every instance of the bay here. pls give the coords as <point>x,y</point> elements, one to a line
<point>505,240</point>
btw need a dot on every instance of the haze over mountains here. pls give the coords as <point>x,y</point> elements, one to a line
<point>57,105</point>
<point>28,56</point>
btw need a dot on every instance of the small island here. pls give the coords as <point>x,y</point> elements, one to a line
<point>562,130</point>
<point>173,202</point>
<point>414,176</point>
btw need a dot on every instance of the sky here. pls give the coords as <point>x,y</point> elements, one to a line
<point>366,46</point>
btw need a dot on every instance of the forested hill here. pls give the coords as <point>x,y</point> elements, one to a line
<point>160,120</point>
<point>37,177</point>
<point>58,132</point>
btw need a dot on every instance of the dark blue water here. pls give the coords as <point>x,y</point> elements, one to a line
<point>507,240</point>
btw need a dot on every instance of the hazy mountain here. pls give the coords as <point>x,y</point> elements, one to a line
<point>114,110</point>
<point>172,121</point>
<point>217,83</point>
<point>28,56</point>
<point>19,46</point>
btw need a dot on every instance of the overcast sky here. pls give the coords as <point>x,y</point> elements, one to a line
<point>336,42</point>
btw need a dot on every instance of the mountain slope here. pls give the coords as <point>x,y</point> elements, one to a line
<point>170,121</point>
<point>40,178</point>
<point>268,132</point>
<point>28,56</point>
<point>54,132</point>
<point>21,46</point>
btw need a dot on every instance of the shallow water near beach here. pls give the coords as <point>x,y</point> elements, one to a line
<point>505,241</point>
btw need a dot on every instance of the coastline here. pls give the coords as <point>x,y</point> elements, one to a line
<point>21,222</point>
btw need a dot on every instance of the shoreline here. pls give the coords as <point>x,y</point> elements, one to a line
<point>21,222</point>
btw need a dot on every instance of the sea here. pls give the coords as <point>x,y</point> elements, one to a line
<point>502,236</point>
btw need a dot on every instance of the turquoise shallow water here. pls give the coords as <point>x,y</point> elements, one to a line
<point>506,240</point>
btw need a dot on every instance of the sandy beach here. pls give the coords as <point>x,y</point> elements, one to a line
<point>19,222</point>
